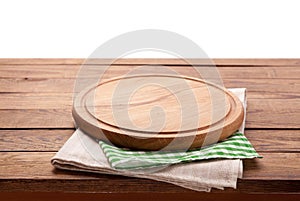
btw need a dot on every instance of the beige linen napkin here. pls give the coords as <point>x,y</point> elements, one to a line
<point>199,175</point>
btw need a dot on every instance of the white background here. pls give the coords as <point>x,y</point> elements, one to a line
<point>224,29</point>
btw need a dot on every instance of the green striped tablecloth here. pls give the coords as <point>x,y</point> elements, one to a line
<point>235,147</point>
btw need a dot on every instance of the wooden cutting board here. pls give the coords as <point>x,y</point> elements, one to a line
<point>154,112</point>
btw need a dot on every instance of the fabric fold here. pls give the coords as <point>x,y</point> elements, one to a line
<point>235,147</point>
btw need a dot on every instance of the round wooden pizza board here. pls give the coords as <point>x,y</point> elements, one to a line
<point>155,112</point>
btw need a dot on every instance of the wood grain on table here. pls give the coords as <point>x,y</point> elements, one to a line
<point>35,120</point>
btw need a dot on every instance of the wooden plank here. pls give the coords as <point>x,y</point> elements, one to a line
<point>36,101</point>
<point>266,113</point>
<point>221,62</point>
<point>273,113</point>
<point>34,140</point>
<point>123,188</point>
<point>256,88</point>
<point>71,71</point>
<point>274,166</point>
<point>52,140</point>
<point>166,196</point>
<point>36,85</point>
<point>40,71</point>
<point>267,88</point>
<point>228,61</point>
<point>38,61</point>
<point>274,140</point>
<point>29,165</point>
<point>36,118</point>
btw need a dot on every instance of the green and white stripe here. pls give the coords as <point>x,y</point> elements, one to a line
<point>235,147</point>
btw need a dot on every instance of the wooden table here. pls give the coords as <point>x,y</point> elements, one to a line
<point>35,121</point>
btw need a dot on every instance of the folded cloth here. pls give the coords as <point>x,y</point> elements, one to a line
<point>199,175</point>
<point>235,147</point>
